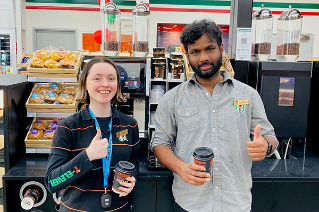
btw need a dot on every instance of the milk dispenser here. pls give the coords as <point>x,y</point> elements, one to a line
<point>262,21</point>
<point>111,29</point>
<point>288,35</point>
<point>140,36</point>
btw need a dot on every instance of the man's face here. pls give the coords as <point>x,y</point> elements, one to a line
<point>205,57</point>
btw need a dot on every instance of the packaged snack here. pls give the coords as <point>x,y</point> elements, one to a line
<point>56,87</point>
<point>66,63</point>
<point>48,134</point>
<point>36,98</point>
<point>37,63</point>
<point>40,88</point>
<point>69,55</point>
<point>66,99</point>
<point>41,54</point>
<point>50,98</point>
<point>69,90</point>
<point>39,125</point>
<point>35,134</point>
<point>52,64</point>
<point>56,55</point>
<point>53,124</point>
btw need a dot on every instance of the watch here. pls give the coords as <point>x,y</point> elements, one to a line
<point>269,149</point>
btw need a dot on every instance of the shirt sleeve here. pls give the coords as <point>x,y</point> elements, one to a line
<point>165,124</point>
<point>259,117</point>
<point>62,172</point>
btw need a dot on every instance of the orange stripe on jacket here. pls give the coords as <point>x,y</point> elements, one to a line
<point>90,211</point>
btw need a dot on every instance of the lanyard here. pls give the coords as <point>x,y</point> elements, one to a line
<point>105,160</point>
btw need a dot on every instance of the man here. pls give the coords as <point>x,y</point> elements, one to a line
<point>216,111</point>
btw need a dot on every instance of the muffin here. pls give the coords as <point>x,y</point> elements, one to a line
<point>66,63</point>
<point>41,54</point>
<point>53,124</point>
<point>69,55</point>
<point>56,87</point>
<point>40,88</point>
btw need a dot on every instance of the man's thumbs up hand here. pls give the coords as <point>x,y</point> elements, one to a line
<point>97,148</point>
<point>257,149</point>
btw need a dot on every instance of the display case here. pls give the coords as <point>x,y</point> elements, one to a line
<point>111,29</point>
<point>262,22</point>
<point>140,36</point>
<point>5,50</point>
<point>288,35</point>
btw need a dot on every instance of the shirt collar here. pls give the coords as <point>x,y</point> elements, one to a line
<point>86,114</point>
<point>224,73</point>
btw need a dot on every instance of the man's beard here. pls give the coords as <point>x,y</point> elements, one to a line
<point>214,69</point>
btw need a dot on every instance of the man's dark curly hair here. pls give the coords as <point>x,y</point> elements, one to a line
<point>195,30</point>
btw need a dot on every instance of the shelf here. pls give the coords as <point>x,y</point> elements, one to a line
<point>38,150</point>
<point>49,115</point>
<point>152,103</point>
<point>52,79</point>
<point>158,80</point>
<point>151,126</point>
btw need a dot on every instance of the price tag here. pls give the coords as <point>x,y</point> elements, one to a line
<point>30,150</point>
<point>29,114</point>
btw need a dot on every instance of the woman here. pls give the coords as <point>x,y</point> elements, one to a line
<point>79,161</point>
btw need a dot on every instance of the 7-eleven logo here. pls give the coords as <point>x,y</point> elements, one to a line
<point>123,138</point>
<point>240,107</point>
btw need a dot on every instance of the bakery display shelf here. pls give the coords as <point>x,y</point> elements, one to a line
<point>38,143</point>
<point>158,80</point>
<point>53,78</point>
<point>59,72</point>
<point>52,108</point>
<point>181,79</point>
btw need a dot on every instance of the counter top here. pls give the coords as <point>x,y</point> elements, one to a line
<point>301,169</point>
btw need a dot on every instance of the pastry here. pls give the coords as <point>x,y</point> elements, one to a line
<point>39,125</point>
<point>36,98</point>
<point>56,87</point>
<point>70,56</point>
<point>50,98</point>
<point>53,124</point>
<point>41,54</point>
<point>69,90</point>
<point>37,63</point>
<point>40,88</point>
<point>35,134</point>
<point>52,64</point>
<point>57,56</point>
<point>66,63</point>
<point>66,99</point>
<point>48,134</point>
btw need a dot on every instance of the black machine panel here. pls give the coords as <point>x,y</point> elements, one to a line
<point>288,118</point>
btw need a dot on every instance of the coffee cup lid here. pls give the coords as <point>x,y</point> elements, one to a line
<point>203,152</point>
<point>126,166</point>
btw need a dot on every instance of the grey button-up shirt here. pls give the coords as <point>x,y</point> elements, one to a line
<point>188,117</point>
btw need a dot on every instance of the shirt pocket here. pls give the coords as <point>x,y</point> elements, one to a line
<point>188,118</point>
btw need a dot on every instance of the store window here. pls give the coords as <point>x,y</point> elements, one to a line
<point>168,35</point>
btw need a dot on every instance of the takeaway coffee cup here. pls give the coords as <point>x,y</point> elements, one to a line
<point>30,198</point>
<point>123,170</point>
<point>204,156</point>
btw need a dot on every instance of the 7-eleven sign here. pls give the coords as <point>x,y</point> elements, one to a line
<point>240,107</point>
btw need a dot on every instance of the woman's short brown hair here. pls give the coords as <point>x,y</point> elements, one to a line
<point>83,95</point>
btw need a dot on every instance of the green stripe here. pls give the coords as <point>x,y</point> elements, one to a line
<point>186,2</point>
<point>286,5</point>
<point>112,167</point>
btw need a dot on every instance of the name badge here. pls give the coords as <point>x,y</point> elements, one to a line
<point>121,133</point>
<point>241,102</point>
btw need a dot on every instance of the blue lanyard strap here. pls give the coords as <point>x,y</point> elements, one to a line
<point>105,160</point>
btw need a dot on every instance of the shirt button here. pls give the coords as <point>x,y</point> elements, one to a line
<point>214,129</point>
<point>215,149</point>
<point>216,187</point>
<point>216,169</point>
<point>214,111</point>
<point>207,94</point>
<point>187,114</point>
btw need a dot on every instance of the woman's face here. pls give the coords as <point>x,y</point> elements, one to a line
<point>101,83</point>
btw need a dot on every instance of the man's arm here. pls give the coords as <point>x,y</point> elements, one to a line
<point>190,172</point>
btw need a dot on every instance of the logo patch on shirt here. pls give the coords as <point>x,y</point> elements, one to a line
<point>122,135</point>
<point>240,107</point>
